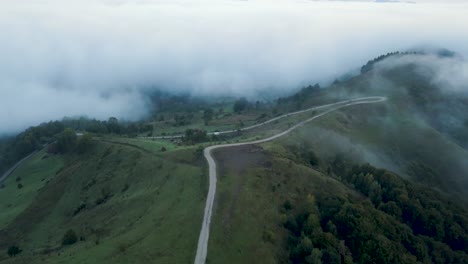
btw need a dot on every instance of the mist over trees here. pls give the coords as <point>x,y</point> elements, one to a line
<point>78,74</point>
<point>397,222</point>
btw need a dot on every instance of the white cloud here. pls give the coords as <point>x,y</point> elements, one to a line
<point>92,57</point>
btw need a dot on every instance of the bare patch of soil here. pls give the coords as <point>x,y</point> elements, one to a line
<point>235,161</point>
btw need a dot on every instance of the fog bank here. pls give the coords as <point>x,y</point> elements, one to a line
<point>98,58</point>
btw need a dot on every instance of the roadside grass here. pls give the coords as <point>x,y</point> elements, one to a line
<point>33,175</point>
<point>138,208</point>
<point>247,220</point>
<point>227,120</point>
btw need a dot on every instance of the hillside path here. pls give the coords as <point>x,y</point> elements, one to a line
<point>202,247</point>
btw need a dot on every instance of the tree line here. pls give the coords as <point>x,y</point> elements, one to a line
<point>34,138</point>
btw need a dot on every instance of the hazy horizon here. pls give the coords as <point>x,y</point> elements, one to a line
<point>98,58</point>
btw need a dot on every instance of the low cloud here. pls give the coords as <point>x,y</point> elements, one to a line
<point>99,58</point>
<point>449,73</point>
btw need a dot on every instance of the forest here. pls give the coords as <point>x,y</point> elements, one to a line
<point>389,220</point>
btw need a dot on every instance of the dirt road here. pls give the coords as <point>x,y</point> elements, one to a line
<point>202,247</point>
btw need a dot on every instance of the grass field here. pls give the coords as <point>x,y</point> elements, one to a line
<point>127,205</point>
<point>33,175</point>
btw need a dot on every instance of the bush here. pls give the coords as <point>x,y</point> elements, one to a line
<point>69,238</point>
<point>163,149</point>
<point>20,185</point>
<point>13,251</point>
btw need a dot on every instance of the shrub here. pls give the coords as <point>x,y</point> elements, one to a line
<point>163,149</point>
<point>13,251</point>
<point>69,238</point>
<point>20,185</point>
<point>287,205</point>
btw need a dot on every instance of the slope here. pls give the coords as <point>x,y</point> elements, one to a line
<point>125,204</point>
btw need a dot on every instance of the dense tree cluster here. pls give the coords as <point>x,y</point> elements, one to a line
<point>370,64</point>
<point>195,136</point>
<point>395,222</point>
<point>240,105</point>
<point>14,149</point>
<point>299,98</point>
<point>66,141</point>
<point>26,142</point>
<point>425,211</point>
<point>13,251</point>
<point>110,126</point>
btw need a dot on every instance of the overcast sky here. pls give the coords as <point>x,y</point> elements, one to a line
<point>94,58</point>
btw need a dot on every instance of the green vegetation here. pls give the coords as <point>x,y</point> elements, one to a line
<point>124,203</point>
<point>34,138</point>
<point>352,214</point>
<point>69,238</point>
<point>66,141</point>
<point>368,184</point>
<point>13,251</point>
<point>286,209</point>
<point>195,136</point>
<point>397,223</point>
<point>240,105</point>
<point>14,149</point>
<point>85,142</point>
<point>33,175</point>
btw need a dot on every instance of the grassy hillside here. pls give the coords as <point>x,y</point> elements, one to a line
<point>306,198</point>
<point>303,200</point>
<point>125,203</point>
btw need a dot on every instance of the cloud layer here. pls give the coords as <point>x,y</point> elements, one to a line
<point>97,58</point>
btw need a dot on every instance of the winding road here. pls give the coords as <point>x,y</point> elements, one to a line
<point>202,247</point>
